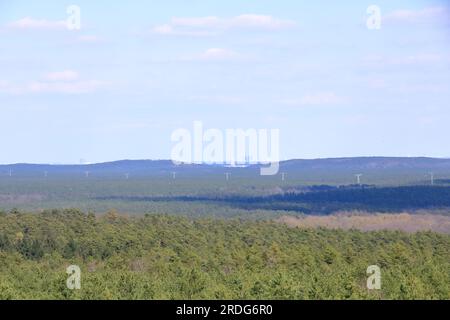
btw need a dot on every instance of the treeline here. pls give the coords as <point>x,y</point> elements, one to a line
<point>167,257</point>
<point>328,199</point>
<point>323,199</point>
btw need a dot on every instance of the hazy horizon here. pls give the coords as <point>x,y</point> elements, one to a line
<point>206,163</point>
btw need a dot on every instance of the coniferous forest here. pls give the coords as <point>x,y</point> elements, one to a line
<point>169,257</point>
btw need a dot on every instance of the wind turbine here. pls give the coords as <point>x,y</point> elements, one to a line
<point>227,176</point>
<point>358,178</point>
<point>432,178</point>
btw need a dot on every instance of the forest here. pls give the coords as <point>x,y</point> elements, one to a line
<point>169,257</point>
<point>321,199</point>
<point>328,199</point>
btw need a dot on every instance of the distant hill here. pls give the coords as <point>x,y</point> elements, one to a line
<point>162,167</point>
<point>369,163</point>
<point>123,166</point>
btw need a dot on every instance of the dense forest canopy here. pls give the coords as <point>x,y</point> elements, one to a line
<point>167,257</point>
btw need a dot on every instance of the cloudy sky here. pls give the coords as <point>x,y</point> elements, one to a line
<point>138,70</point>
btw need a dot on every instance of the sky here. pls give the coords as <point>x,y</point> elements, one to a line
<point>136,71</point>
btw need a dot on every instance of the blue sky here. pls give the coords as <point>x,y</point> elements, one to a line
<point>137,71</point>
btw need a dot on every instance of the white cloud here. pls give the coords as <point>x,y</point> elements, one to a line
<point>66,75</point>
<point>163,29</point>
<point>9,88</point>
<point>169,30</point>
<point>376,83</point>
<point>241,21</point>
<point>356,119</point>
<point>260,21</point>
<point>427,120</point>
<point>218,54</point>
<point>88,39</point>
<point>76,87</point>
<point>214,54</point>
<point>429,88</point>
<point>424,59</point>
<point>203,26</point>
<point>64,82</point>
<point>30,23</point>
<point>321,98</point>
<point>219,99</point>
<point>201,22</point>
<point>431,14</point>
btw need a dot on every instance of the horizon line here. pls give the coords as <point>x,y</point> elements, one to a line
<point>222,164</point>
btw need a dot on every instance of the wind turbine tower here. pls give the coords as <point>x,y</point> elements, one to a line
<point>358,178</point>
